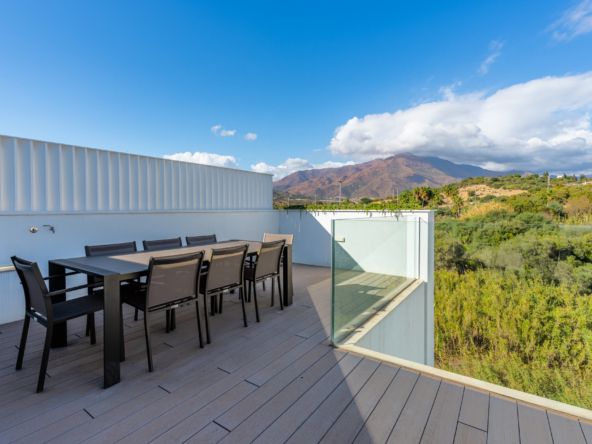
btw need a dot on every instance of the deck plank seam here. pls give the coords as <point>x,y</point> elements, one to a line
<point>458,417</point>
<point>349,403</point>
<point>403,407</point>
<point>321,402</point>
<point>431,409</point>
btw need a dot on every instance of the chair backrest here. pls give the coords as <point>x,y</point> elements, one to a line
<point>162,244</point>
<point>33,286</point>
<point>270,237</point>
<point>268,259</point>
<point>110,249</point>
<point>193,241</point>
<point>226,268</point>
<point>173,278</point>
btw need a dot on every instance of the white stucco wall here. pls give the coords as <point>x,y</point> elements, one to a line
<point>405,331</point>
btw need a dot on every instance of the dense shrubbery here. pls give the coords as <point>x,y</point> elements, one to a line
<point>513,280</point>
<point>514,293</point>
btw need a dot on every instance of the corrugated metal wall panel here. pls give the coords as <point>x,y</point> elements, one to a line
<point>45,177</point>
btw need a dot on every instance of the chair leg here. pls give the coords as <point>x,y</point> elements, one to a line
<point>167,315</point>
<point>272,292</point>
<point>255,299</point>
<point>206,320</point>
<point>280,293</point>
<point>91,327</point>
<point>220,303</point>
<point>23,343</point>
<point>198,323</point>
<point>242,290</point>
<point>87,330</point>
<point>173,315</point>
<point>136,315</point>
<point>44,358</point>
<point>213,307</point>
<point>148,348</point>
<point>249,291</point>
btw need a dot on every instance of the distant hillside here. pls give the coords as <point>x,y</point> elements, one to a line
<point>378,178</point>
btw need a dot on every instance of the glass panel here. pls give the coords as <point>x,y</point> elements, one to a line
<point>374,259</point>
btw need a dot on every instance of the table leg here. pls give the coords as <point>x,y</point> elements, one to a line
<point>288,289</point>
<point>111,331</point>
<point>60,331</point>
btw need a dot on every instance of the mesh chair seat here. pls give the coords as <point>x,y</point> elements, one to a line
<point>64,311</point>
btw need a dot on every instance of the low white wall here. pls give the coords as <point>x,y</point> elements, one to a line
<point>404,332</point>
<point>74,231</point>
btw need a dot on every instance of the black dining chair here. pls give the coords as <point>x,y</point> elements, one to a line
<point>172,280</point>
<point>225,273</point>
<point>267,265</point>
<point>162,244</point>
<point>271,237</point>
<point>165,244</point>
<point>40,307</point>
<point>193,241</point>
<point>109,250</point>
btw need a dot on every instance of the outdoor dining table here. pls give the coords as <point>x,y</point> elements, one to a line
<point>113,270</point>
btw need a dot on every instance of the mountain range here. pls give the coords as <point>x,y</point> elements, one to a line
<point>379,178</point>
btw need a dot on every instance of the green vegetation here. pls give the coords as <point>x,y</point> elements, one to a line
<point>513,280</point>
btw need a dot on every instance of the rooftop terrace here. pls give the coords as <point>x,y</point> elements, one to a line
<point>275,381</point>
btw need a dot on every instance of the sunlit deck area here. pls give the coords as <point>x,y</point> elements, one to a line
<point>276,381</point>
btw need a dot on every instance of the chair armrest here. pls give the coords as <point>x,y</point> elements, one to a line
<point>67,290</point>
<point>70,273</point>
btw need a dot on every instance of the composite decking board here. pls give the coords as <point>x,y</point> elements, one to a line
<point>351,420</point>
<point>285,425</point>
<point>249,429</point>
<point>41,415</point>
<point>242,410</point>
<point>189,426</point>
<point>534,425</point>
<point>56,429</point>
<point>503,421</point>
<point>474,410</point>
<point>315,427</point>
<point>381,421</point>
<point>265,374</point>
<point>139,410</point>
<point>443,419</point>
<point>465,434</point>
<point>414,417</point>
<point>208,435</point>
<point>565,430</point>
<point>182,402</point>
<point>117,414</point>
<point>587,430</point>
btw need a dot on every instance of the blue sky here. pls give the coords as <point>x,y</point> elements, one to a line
<point>428,77</point>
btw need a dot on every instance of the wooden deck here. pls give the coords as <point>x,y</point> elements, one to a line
<point>276,381</point>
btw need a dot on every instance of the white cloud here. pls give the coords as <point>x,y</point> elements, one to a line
<point>204,158</point>
<point>292,165</point>
<point>251,137</point>
<point>220,131</point>
<point>495,50</point>
<point>574,22</point>
<point>537,125</point>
